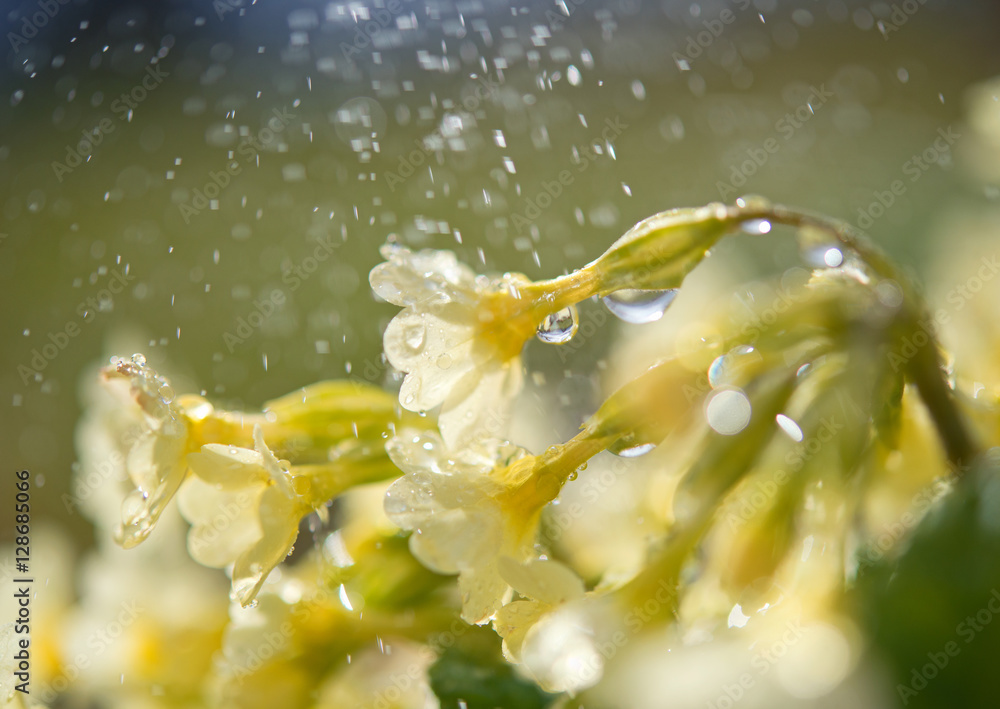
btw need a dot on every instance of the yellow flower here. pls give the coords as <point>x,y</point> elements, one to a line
<point>245,505</point>
<point>243,511</point>
<point>470,508</point>
<point>169,429</point>
<point>460,336</point>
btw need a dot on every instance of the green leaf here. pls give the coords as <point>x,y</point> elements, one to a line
<point>934,616</point>
<point>475,674</point>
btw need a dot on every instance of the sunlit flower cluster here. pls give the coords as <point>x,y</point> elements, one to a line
<point>735,481</point>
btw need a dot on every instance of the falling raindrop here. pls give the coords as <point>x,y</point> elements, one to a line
<point>639,306</point>
<point>790,427</point>
<point>559,328</point>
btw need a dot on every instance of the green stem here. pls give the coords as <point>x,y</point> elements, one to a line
<point>925,369</point>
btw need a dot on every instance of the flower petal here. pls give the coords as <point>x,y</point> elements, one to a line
<point>541,579</point>
<point>512,623</point>
<point>456,539</point>
<point>228,467</point>
<point>406,278</point>
<point>225,522</point>
<point>279,521</point>
<point>483,593</point>
<point>479,406</point>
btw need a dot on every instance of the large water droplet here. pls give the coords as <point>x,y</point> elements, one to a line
<point>635,451</point>
<point>639,306</point>
<point>560,327</point>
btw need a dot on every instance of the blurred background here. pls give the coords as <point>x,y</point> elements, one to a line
<point>209,182</point>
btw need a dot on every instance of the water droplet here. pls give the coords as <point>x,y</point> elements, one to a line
<point>823,256</point>
<point>756,226</point>
<point>133,508</point>
<point>138,359</point>
<point>789,427</point>
<point>728,411</point>
<point>166,393</point>
<point>413,336</point>
<point>724,369</point>
<point>634,451</point>
<point>560,327</point>
<point>639,306</point>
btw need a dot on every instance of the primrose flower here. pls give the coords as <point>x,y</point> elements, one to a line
<point>168,429</point>
<point>469,509</point>
<point>243,511</point>
<point>245,505</point>
<point>460,336</point>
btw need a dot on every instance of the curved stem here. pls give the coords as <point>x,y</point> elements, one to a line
<point>925,368</point>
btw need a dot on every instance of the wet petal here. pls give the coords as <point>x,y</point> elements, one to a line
<point>541,579</point>
<point>479,406</point>
<point>483,593</point>
<point>279,521</point>
<point>456,539</point>
<point>228,467</point>
<point>513,622</point>
<point>225,523</point>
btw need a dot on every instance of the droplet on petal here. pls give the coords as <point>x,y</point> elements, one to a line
<point>559,328</point>
<point>639,306</point>
<point>414,336</point>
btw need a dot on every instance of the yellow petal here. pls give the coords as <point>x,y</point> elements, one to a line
<point>541,579</point>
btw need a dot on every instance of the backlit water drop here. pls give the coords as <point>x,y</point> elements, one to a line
<point>639,306</point>
<point>560,327</point>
